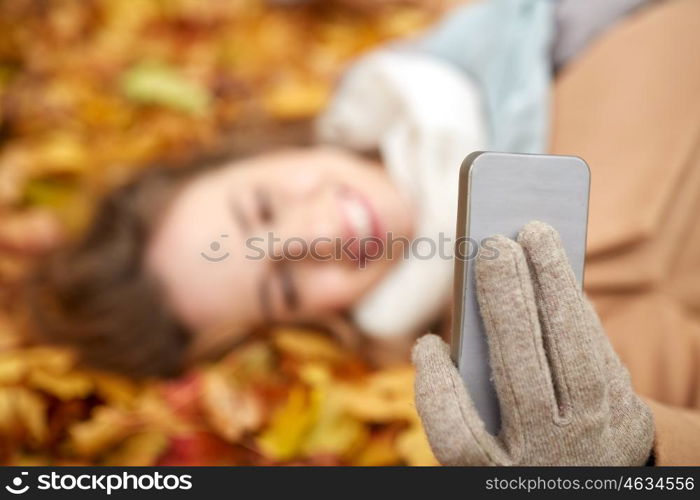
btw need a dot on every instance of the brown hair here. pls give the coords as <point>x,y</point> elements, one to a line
<point>95,296</point>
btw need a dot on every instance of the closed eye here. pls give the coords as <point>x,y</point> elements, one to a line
<point>289,290</point>
<point>240,217</point>
<point>264,206</point>
<point>262,211</point>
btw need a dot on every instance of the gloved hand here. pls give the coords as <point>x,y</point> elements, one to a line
<point>565,397</point>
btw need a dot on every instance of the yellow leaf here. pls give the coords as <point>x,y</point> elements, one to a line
<point>152,410</point>
<point>413,447</point>
<point>249,362</point>
<point>29,460</point>
<point>22,412</point>
<point>306,345</point>
<point>115,390</point>
<point>334,432</point>
<point>290,424</point>
<point>379,451</point>
<point>140,450</point>
<point>12,368</point>
<point>106,427</point>
<point>65,386</point>
<point>291,99</point>
<point>68,203</point>
<point>157,83</point>
<point>31,409</point>
<point>62,153</point>
<point>383,397</point>
<point>393,383</point>
<point>51,359</point>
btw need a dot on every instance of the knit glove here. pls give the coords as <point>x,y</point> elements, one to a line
<point>565,396</point>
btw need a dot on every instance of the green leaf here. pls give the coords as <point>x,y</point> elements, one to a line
<point>65,199</point>
<point>159,84</point>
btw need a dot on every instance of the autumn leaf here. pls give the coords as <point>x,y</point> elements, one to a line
<point>13,367</point>
<point>151,410</point>
<point>379,451</point>
<point>306,345</point>
<point>413,447</point>
<point>292,99</point>
<point>15,168</point>
<point>139,450</point>
<point>62,152</point>
<point>115,390</point>
<point>32,460</point>
<point>182,396</point>
<point>51,359</point>
<point>203,448</point>
<point>334,431</point>
<point>229,409</point>
<point>290,424</point>
<point>157,83</point>
<point>22,414</point>
<point>64,199</point>
<point>65,386</point>
<point>250,363</point>
<point>384,396</point>
<point>106,427</point>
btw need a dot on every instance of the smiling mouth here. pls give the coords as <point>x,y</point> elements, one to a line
<point>360,219</point>
<point>215,259</point>
<point>361,224</point>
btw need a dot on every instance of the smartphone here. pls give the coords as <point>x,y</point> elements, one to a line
<point>498,194</point>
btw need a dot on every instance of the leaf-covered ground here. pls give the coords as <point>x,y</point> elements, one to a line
<point>293,398</point>
<point>93,91</point>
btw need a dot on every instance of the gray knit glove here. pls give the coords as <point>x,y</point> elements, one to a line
<point>565,397</point>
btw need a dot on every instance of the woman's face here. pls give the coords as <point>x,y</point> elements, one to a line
<point>282,237</point>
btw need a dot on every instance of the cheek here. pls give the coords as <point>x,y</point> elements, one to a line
<point>302,183</point>
<point>335,287</point>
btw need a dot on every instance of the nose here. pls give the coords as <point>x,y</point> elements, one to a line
<point>311,228</point>
<point>306,239</point>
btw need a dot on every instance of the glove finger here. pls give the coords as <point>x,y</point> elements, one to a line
<point>570,334</point>
<point>518,361</point>
<point>456,433</point>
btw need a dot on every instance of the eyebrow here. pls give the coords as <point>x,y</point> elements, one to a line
<point>263,210</point>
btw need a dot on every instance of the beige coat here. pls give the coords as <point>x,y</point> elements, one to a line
<point>630,106</point>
